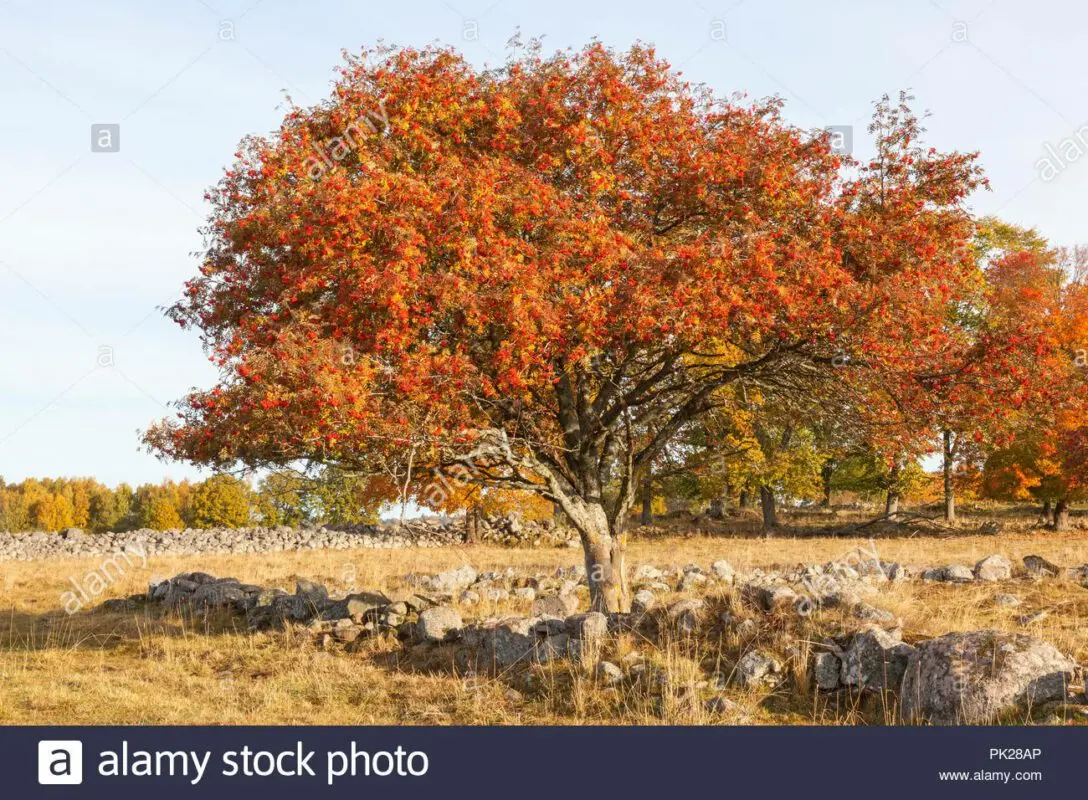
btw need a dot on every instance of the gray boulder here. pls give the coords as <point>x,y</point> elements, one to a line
<point>954,573</point>
<point>314,593</point>
<point>438,624</point>
<point>875,660</point>
<point>1040,567</point>
<point>511,640</point>
<point>973,678</point>
<point>452,580</point>
<point>993,568</point>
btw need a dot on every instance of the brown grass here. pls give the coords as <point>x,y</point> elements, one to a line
<point>146,668</point>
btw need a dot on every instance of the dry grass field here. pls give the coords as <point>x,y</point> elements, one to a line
<point>145,668</point>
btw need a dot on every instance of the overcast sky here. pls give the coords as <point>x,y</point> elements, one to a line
<point>91,244</point>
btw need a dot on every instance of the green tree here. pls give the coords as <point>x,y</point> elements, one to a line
<point>220,501</point>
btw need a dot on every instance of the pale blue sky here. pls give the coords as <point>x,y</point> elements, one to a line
<point>92,243</point>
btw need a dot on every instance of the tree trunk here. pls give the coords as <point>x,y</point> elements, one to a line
<point>1047,510</point>
<point>826,474</point>
<point>770,512</point>
<point>745,500</point>
<point>647,503</point>
<point>891,504</point>
<point>472,525</point>
<point>717,508</point>
<point>1061,515</point>
<point>605,558</point>
<point>949,489</point>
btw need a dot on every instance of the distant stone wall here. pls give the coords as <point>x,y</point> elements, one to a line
<point>73,542</point>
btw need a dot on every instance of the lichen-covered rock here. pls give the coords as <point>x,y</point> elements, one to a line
<point>609,674</point>
<point>685,615</point>
<point>221,594</point>
<point>511,640</point>
<point>645,573</point>
<point>723,571</point>
<point>314,593</point>
<point>1040,567</point>
<point>954,573</point>
<point>643,601</point>
<point>769,597</point>
<point>825,671</point>
<point>690,581</point>
<point>555,605</point>
<point>993,568</point>
<point>589,628</point>
<point>875,660</point>
<point>438,624</point>
<point>453,580</point>
<point>757,668</point>
<point>973,678</point>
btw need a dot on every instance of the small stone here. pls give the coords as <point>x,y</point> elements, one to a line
<point>609,674</point>
<point>1031,619</point>
<point>690,581</point>
<point>1007,600</point>
<point>723,571</point>
<point>452,580</point>
<point>646,572</point>
<point>757,668</point>
<point>720,704</point>
<point>555,605</point>
<point>1040,567</point>
<point>770,598</point>
<point>870,613</point>
<point>687,614</point>
<point>469,597</point>
<point>993,568</point>
<point>643,601</point>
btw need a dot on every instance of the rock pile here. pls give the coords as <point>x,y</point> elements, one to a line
<point>973,677</point>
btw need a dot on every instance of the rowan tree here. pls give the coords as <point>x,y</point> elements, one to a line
<point>545,272</point>
<point>1047,452</point>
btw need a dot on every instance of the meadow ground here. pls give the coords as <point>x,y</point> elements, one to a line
<point>148,668</point>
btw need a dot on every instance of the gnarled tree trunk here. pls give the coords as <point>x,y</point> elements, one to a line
<point>605,552</point>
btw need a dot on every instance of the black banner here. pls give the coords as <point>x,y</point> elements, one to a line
<point>538,762</point>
